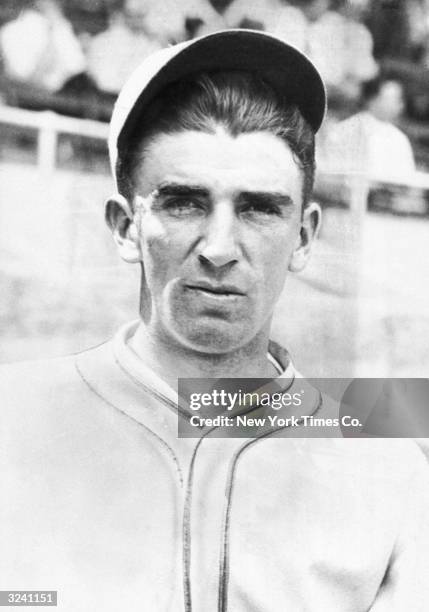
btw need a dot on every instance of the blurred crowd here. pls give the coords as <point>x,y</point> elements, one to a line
<point>74,55</point>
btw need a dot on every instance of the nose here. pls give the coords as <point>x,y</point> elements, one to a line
<point>219,245</point>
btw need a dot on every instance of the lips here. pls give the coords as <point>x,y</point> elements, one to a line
<point>222,289</point>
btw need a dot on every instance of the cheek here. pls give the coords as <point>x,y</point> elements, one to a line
<point>152,230</point>
<point>176,238</point>
<point>156,247</point>
<point>164,248</point>
<point>275,263</point>
<point>275,275</point>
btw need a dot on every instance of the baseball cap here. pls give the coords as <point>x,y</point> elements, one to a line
<point>281,65</point>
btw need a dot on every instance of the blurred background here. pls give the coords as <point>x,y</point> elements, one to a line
<point>362,306</point>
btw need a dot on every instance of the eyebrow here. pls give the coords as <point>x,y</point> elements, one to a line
<point>273,197</point>
<point>174,189</point>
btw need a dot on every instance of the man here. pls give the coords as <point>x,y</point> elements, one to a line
<point>346,60</point>
<point>212,147</point>
<point>40,48</point>
<point>369,142</point>
<point>114,53</point>
<point>335,40</point>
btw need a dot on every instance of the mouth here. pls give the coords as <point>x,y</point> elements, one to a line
<point>216,290</point>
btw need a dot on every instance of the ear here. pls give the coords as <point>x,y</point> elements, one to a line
<point>310,225</point>
<point>120,219</point>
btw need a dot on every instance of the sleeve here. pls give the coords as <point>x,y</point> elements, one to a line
<point>406,583</point>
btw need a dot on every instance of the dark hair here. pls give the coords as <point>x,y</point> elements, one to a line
<point>239,101</point>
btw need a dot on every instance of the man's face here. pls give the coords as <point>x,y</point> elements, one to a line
<point>217,222</point>
<point>389,104</point>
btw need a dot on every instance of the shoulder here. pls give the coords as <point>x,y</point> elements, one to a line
<point>399,135</point>
<point>31,376</point>
<point>395,461</point>
<point>400,456</point>
<point>358,120</point>
<point>32,398</point>
<point>47,402</point>
<point>374,466</point>
<point>30,391</point>
<point>44,387</point>
<point>392,466</point>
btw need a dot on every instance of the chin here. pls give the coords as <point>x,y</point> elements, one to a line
<point>212,337</point>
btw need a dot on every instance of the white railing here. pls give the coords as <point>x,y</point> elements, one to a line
<point>49,125</point>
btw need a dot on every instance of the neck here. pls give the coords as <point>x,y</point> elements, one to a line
<point>171,361</point>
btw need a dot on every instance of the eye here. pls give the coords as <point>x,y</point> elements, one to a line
<point>261,209</point>
<point>183,206</point>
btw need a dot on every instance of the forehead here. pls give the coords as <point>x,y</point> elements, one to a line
<point>256,161</point>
